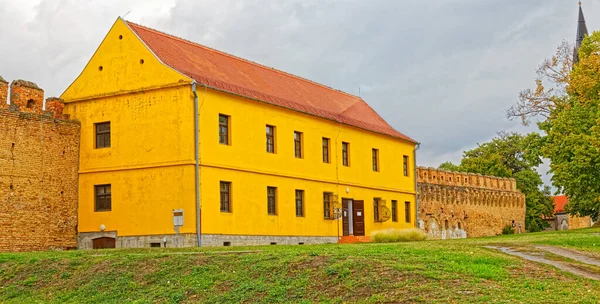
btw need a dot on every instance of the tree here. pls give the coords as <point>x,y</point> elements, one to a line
<point>517,156</point>
<point>448,166</point>
<point>553,76</point>
<point>572,141</point>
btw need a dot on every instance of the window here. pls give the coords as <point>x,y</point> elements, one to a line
<point>325,150</point>
<point>299,202</point>
<point>271,200</point>
<point>375,155</point>
<point>102,135</point>
<point>225,197</point>
<point>345,148</point>
<point>223,129</point>
<point>394,211</point>
<point>407,211</point>
<point>376,203</point>
<point>327,205</point>
<point>103,198</point>
<point>405,163</point>
<point>270,139</point>
<point>153,245</point>
<point>298,144</point>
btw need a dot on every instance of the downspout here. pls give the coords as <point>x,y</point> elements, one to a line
<point>416,186</point>
<point>197,158</point>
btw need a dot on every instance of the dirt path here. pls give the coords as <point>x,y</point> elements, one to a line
<point>573,255</point>
<point>560,265</point>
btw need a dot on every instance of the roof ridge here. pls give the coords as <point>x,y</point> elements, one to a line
<point>238,58</point>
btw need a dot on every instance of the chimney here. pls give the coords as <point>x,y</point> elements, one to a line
<point>55,106</point>
<point>27,96</point>
<point>3,93</point>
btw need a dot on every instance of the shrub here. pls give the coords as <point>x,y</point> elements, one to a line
<point>398,235</point>
<point>508,229</point>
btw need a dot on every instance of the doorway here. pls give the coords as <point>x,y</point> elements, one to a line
<point>358,217</point>
<point>104,242</point>
<point>353,215</point>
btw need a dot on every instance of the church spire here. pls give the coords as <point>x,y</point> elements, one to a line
<point>581,33</point>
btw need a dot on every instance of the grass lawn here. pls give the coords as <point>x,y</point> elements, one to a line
<point>456,271</point>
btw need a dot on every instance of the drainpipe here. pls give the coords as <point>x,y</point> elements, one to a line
<point>416,186</point>
<point>197,158</point>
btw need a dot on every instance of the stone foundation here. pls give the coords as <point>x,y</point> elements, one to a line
<point>189,240</point>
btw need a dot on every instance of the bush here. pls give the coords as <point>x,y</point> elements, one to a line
<point>398,235</point>
<point>508,229</point>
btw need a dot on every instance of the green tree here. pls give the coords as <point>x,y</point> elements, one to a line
<point>517,156</point>
<point>572,141</point>
<point>448,166</point>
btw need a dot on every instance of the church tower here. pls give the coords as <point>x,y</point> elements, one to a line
<point>581,33</point>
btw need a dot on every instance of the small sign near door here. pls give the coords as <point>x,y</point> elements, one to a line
<point>358,213</point>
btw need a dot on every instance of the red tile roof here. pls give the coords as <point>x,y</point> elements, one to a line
<point>560,201</point>
<point>246,78</point>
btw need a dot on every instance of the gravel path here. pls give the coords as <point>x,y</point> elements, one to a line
<point>560,265</point>
<point>573,255</point>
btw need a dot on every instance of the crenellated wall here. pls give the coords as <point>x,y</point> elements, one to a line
<point>459,205</point>
<point>39,158</point>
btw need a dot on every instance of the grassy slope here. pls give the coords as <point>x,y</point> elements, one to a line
<point>458,271</point>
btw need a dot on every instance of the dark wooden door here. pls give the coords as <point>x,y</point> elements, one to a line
<point>358,217</point>
<point>104,242</point>
<point>345,221</point>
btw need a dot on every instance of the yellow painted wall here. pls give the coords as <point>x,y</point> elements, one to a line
<point>150,164</point>
<point>251,169</point>
<point>142,200</point>
<point>147,129</point>
<point>116,67</point>
<point>249,205</point>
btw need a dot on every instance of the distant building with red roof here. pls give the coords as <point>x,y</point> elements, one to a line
<point>560,201</point>
<point>562,220</point>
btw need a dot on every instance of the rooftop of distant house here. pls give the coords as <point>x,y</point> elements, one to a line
<point>560,201</point>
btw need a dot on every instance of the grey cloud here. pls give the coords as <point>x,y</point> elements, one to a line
<point>442,72</point>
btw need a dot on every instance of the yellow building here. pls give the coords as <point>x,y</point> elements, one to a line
<point>180,143</point>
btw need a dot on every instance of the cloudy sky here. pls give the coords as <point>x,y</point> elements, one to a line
<point>440,71</point>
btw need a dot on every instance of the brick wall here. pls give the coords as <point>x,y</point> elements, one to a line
<point>457,205</point>
<point>3,93</point>
<point>39,155</point>
<point>576,222</point>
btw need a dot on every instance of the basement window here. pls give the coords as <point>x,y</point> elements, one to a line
<point>226,244</point>
<point>154,245</point>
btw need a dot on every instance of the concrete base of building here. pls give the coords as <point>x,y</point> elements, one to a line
<point>85,240</point>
